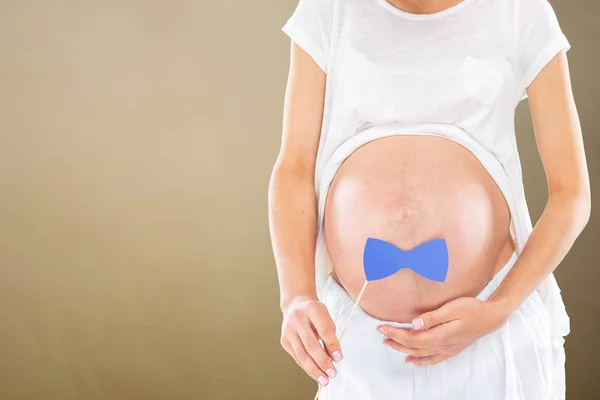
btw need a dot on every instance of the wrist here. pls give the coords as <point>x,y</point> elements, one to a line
<point>295,297</point>
<point>502,305</point>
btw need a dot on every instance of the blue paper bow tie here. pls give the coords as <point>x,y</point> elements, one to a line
<point>429,259</point>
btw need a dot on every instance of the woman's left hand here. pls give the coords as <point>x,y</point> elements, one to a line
<point>447,331</point>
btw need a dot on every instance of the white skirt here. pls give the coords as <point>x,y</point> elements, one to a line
<point>513,363</point>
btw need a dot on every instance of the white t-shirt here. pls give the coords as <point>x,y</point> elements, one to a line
<point>458,74</point>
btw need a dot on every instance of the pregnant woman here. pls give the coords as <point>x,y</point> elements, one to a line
<point>399,125</point>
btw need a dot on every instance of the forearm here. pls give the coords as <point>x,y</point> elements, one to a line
<point>293,226</point>
<point>563,219</point>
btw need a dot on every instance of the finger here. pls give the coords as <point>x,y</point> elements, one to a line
<point>287,346</point>
<point>313,347</point>
<point>307,363</point>
<point>409,338</point>
<point>427,360</point>
<point>417,352</point>
<point>325,328</point>
<point>432,318</point>
<point>430,338</point>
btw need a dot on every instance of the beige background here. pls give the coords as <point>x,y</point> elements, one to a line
<point>136,143</point>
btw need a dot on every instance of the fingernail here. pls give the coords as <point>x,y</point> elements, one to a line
<point>380,329</point>
<point>387,344</point>
<point>331,373</point>
<point>417,323</point>
<point>337,356</point>
<point>322,380</point>
<point>406,360</point>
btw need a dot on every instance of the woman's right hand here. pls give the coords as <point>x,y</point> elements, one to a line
<point>306,321</point>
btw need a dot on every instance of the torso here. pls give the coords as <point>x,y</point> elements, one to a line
<point>408,189</point>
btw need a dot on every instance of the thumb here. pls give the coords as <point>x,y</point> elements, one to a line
<point>429,319</point>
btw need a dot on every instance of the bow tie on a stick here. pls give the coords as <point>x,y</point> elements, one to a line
<point>382,259</point>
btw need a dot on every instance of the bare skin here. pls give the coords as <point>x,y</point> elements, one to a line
<point>407,190</point>
<point>454,325</point>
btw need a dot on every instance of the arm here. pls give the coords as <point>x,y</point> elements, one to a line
<point>559,140</point>
<point>292,197</point>
<point>293,221</point>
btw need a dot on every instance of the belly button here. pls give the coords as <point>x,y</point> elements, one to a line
<point>404,214</point>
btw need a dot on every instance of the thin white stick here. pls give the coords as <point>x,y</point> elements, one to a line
<point>346,325</point>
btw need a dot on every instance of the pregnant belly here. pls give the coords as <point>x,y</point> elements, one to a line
<point>408,189</point>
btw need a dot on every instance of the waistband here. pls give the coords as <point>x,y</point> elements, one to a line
<point>498,277</point>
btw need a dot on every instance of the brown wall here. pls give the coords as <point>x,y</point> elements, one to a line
<point>136,143</point>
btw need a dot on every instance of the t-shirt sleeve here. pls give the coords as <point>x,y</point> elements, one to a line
<point>540,39</point>
<point>310,28</point>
